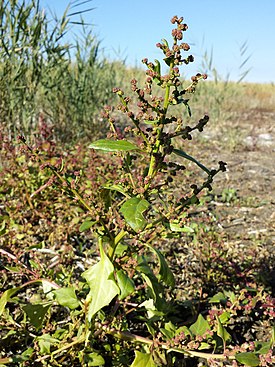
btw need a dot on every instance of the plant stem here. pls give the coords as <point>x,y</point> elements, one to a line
<point>116,241</point>
<point>126,335</point>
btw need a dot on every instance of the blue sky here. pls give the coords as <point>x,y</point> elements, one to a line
<point>130,29</point>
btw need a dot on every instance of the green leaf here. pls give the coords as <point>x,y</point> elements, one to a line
<point>3,228</point>
<point>168,60</point>
<point>13,269</point>
<point>169,330</point>
<point>248,359</point>
<point>103,288</point>
<point>231,295</point>
<point>45,342</point>
<point>36,313</point>
<point>27,353</point>
<point>121,248</point>
<point>155,291</point>
<point>108,145</point>
<point>204,345</point>
<point>66,297</point>
<point>200,327</point>
<point>153,286</point>
<point>94,359</point>
<point>272,342</point>
<point>221,331</point>
<point>262,347</point>
<point>176,227</point>
<point>118,188</point>
<point>86,225</point>
<point>181,153</point>
<point>149,305</point>
<point>217,298</point>
<point>133,210</point>
<point>164,270</point>
<point>224,317</point>
<point>143,360</point>
<point>6,296</point>
<point>126,285</point>
<point>151,122</point>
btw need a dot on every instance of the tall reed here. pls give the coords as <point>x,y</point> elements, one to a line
<point>41,73</point>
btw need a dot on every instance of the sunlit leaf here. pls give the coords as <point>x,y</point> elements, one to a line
<point>176,227</point>
<point>108,145</point>
<point>86,225</point>
<point>204,345</point>
<point>262,347</point>
<point>200,327</point>
<point>169,330</point>
<point>103,288</point>
<point>248,359</point>
<point>224,317</point>
<point>6,296</point>
<point>133,210</point>
<point>66,297</point>
<point>45,342</point>
<point>94,359</point>
<point>126,285</point>
<point>217,298</point>
<point>143,360</point>
<point>151,122</point>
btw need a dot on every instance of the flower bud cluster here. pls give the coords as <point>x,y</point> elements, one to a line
<point>175,52</point>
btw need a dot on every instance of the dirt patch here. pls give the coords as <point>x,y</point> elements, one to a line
<point>251,172</point>
<point>241,208</point>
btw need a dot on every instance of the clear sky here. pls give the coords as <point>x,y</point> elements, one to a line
<point>129,29</point>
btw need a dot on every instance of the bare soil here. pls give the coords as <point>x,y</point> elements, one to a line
<point>251,171</point>
<point>248,219</point>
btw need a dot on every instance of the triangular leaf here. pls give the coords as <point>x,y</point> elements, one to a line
<point>108,145</point>
<point>200,327</point>
<point>133,210</point>
<point>100,278</point>
<point>143,360</point>
<point>66,297</point>
<point>36,313</point>
<point>248,359</point>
